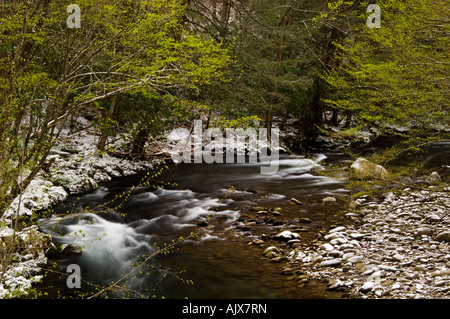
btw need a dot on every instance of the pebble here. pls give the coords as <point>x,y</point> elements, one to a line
<point>271,251</point>
<point>398,257</point>
<point>287,235</point>
<point>389,251</point>
<point>334,235</point>
<point>329,200</point>
<point>355,259</point>
<point>296,201</point>
<point>368,286</point>
<point>330,263</point>
<point>424,231</point>
<point>347,256</point>
<point>396,286</point>
<point>444,236</point>
<point>328,247</point>
<point>357,235</point>
<point>338,241</point>
<point>337,229</point>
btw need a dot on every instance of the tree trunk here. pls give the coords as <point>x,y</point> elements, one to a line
<point>334,118</point>
<point>139,143</point>
<point>285,118</point>
<point>269,118</point>
<point>208,122</point>
<point>104,137</point>
<point>312,116</point>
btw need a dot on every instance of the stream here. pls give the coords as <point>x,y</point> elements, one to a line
<point>209,199</point>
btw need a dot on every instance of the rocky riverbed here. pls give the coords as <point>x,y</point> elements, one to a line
<point>394,249</point>
<point>398,248</point>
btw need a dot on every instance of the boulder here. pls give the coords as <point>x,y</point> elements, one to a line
<point>39,195</point>
<point>362,169</point>
<point>433,178</point>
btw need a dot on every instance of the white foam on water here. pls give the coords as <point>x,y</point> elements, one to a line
<point>109,248</point>
<point>275,196</point>
<point>145,197</point>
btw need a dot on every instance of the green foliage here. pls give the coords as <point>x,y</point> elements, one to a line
<point>277,49</point>
<point>49,72</point>
<point>396,74</point>
<point>136,51</point>
<point>241,122</point>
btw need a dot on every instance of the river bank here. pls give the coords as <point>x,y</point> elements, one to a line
<point>76,168</point>
<point>398,248</point>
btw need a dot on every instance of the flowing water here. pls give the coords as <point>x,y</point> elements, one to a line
<point>209,199</point>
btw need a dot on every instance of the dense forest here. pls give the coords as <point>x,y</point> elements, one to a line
<point>330,74</point>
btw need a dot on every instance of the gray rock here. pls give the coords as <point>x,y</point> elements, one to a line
<point>444,236</point>
<point>334,235</point>
<point>293,241</point>
<point>357,236</point>
<point>433,178</point>
<point>396,286</point>
<point>271,251</point>
<point>398,257</point>
<point>368,286</point>
<point>362,168</point>
<point>355,259</point>
<point>329,200</point>
<point>338,241</point>
<point>441,272</point>
<point>296,201</point>
<point>328,247</point>
<point>287,235</point>
<point>346,256</point>
<point>388,268</point>
<point>424,231</point>
<point>330,263</point>
<point>334,284</point>
<point>337,229</point>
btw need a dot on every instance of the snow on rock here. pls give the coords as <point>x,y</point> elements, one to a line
<point>28,258</point>
<point>40,194</point>
<point>74,167</point>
